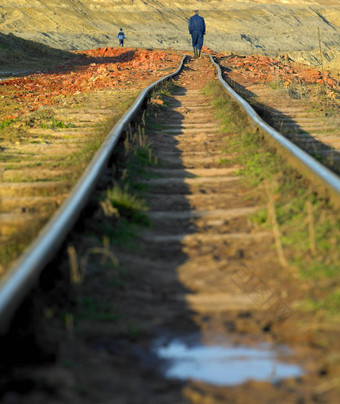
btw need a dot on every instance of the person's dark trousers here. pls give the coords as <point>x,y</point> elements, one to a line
<point>197,40</point>
<point>121,42</point>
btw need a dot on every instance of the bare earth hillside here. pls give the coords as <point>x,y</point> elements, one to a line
<point>248,26</point>
<point>22,56</point>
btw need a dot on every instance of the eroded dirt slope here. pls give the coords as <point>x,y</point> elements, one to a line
<point>246,27</point>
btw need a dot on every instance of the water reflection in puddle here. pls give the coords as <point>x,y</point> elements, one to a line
<point>223,365</point>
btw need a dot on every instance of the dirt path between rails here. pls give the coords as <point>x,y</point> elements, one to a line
<point>200,276</point>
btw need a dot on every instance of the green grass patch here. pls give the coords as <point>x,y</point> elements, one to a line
<point>138,165</point>
<point>6,123</point>
<point>166,89</point>
<point>235,120</point>
<point>127,204</point>
<point>55,124</point>
<point>330,304</point>
<point>121,232</point>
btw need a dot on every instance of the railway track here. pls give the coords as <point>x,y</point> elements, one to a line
<point>290,112</point>
<point>198,211</point>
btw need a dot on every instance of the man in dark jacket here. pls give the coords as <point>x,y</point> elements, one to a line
<point>197,31</point>
<point>121,37</point>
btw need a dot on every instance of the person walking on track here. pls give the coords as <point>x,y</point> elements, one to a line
<point>197,31</point>
<point>121,37</point>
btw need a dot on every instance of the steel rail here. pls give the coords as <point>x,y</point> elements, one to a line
<point>325,177</point>
<point>20,279</point>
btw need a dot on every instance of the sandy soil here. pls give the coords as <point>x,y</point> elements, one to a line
<point>266,27</point>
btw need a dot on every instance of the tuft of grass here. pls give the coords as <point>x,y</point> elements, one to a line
<point>275,84</point>
<point>121,232</point>
<point>55,124</point>
<point>236,120</point>
<point>6,122</point>
<point>128,205</point>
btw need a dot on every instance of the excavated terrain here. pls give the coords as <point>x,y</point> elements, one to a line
<point>302,28</point>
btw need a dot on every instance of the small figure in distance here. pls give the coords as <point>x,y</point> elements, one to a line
<point>121,37</point>
<point>197,31</point>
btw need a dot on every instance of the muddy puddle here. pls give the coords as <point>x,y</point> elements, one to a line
<point>223,363</point>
